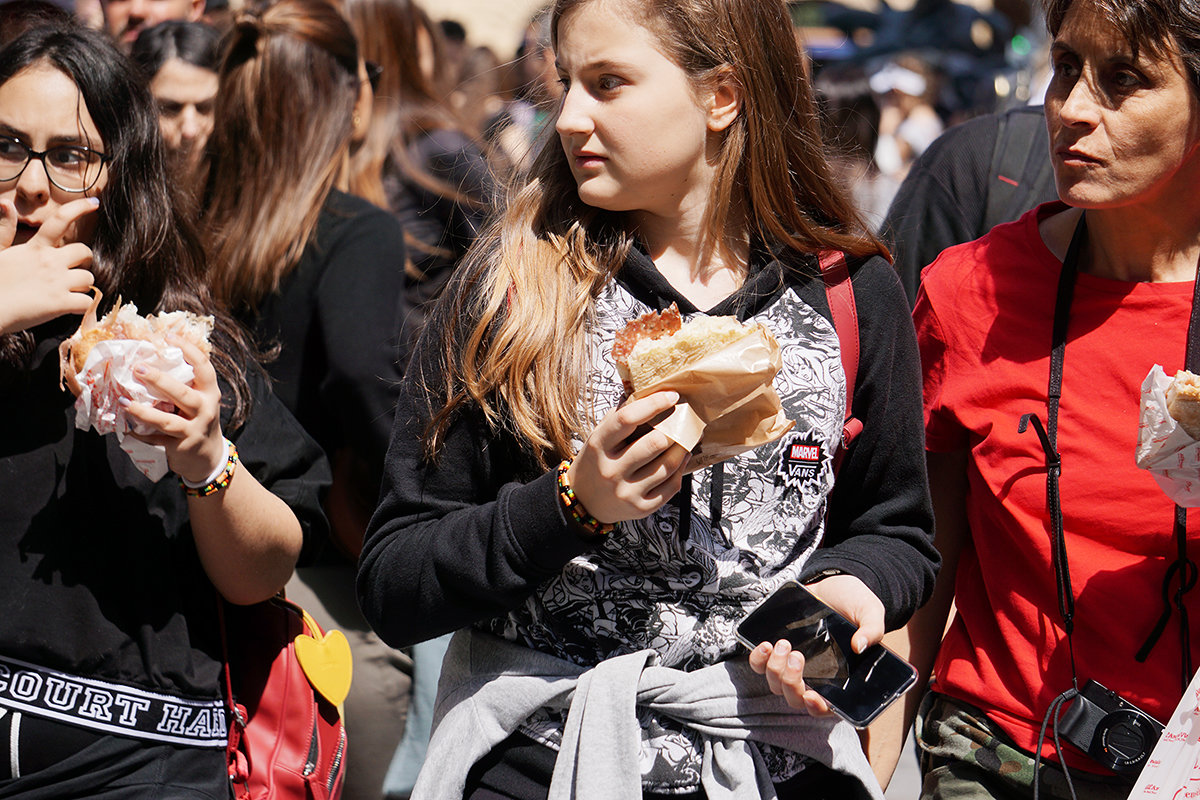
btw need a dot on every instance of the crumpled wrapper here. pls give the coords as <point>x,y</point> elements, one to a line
<point>728,403</point>
<point>107,375</point>
<point>1164,448</point>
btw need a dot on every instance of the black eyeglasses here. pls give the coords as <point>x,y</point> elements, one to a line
<point>373,73</point>
<point>70,167</point>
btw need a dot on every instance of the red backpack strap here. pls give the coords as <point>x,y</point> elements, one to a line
<point>840,293</point>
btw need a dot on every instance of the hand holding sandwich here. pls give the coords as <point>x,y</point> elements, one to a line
<point>48,275</point>
<point>625,469</point>
<point>191,432</point>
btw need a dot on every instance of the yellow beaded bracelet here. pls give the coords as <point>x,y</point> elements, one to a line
<point>575,508</point>
<point>220,480</point>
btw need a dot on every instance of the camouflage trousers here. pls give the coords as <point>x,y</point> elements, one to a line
<point>965,756</point>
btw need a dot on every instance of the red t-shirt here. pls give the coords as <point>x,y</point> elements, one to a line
<point>984,319</point>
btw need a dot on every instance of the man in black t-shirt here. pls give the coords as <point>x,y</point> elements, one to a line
<point>985,171</point>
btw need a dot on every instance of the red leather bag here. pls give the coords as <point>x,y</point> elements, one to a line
<point>286,740</point>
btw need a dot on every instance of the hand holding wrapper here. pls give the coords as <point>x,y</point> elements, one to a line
<point>97,365</point>
<point>1164,447</point>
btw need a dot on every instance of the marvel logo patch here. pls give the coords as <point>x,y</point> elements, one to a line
<point>801,461</point>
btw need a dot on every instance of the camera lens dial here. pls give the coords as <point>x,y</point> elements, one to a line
<point>1123,740</point>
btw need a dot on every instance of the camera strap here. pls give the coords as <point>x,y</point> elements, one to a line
<point>1182,569</point>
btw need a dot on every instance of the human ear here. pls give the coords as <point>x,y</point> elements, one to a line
<point>725,102</point>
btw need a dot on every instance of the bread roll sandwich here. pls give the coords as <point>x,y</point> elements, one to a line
<point>124,323</point>
<point>1183,402</point>
<point>658,344</point>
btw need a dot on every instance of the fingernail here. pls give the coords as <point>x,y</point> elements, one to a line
<point>795,662</point>
<point>94,200</point>
<point>765,648</point>
<point>123,402</point>
<point>140,369</point>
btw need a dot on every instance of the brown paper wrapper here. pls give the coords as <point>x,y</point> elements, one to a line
<point>728,403</point>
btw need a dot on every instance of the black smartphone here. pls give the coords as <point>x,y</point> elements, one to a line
<point>857,686</point>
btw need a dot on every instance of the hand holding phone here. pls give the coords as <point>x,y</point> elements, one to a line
<point>856,686</point>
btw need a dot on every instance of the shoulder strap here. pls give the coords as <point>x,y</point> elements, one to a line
<point>840,293</point>
<point>1021,175</point>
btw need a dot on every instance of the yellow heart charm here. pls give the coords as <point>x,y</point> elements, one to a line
<point>327,663</point>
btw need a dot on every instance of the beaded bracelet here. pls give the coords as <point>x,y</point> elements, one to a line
<point>220,480</point>
<point>575,508</point>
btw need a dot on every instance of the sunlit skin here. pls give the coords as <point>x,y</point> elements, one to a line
<point>185,94</point>
<point>1122,131</point>
<point>42,107</point>
<point>632,127</point>
<point>125,19</point>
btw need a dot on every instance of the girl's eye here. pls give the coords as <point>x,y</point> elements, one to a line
<point>608,83</point>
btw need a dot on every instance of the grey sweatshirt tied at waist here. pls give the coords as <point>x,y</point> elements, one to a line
<point>490,686</point>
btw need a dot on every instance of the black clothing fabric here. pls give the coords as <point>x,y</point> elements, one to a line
<point>520,768</point>
<point>479,534</point>
<point>113,768</point>
<point>99,575</point>
<point>439,228</point>
<point>977,174</point>
<point>336,318</point>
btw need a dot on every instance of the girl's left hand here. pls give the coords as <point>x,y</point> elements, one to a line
<point>784,667</point>
<point>191,433</point>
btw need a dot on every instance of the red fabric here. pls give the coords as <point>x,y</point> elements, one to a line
<point>984,321</point>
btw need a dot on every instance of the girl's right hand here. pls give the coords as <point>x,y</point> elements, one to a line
<point>43,278</point>
<point>623,473</point>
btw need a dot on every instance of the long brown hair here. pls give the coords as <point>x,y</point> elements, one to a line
<point>408,101</point>
<point>513,337</point>
<point>281,133</point>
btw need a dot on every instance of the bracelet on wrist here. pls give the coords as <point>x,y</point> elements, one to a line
<point>219,479</point>
<point>575,509</point>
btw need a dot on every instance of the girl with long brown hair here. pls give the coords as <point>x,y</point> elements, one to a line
<point>527,507</point>
<point>318,274</point>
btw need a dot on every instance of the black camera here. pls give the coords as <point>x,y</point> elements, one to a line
<point>1110,729</point>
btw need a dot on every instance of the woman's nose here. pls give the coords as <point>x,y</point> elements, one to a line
<point>573,115</point>
<point>1080,106</point>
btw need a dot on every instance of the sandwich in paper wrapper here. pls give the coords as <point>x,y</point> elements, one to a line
<point>722,369</point>
<point>97,363</point>
<point>1168,434</point>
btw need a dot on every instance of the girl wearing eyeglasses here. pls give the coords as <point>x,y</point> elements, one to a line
<point>109,583</point>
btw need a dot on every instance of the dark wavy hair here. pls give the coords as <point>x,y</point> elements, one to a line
<point>1156,26</point>
<point>195,43</point>
<point>145,250</point>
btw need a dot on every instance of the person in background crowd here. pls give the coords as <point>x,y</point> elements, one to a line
<point>850,121</point>
<point>419,161</point>
<point>1035,341</point>
<point>906,89</point>
<point>479,96</point>
<point>535,91</point>
<point>17,16</point>
<point>977,174</point>
<point>454,49</point>
<point>125,19</point>
<point>111,581</point>
<point>525,506</point>
<point>431,172</point>
<point>180,61</point>
<point>318,274</point>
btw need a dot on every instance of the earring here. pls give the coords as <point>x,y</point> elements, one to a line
<point>356,121</point>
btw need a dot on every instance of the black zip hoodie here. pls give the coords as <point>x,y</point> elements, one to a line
<point>479,536</point>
